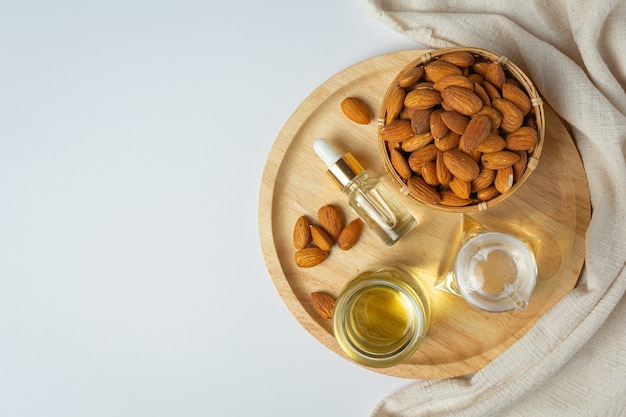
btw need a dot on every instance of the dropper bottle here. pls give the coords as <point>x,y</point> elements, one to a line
<point>367,196</point>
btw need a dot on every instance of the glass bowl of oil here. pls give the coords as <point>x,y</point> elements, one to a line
<point>381,317</point>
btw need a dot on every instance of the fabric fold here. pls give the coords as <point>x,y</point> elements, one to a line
<point>571,51</point>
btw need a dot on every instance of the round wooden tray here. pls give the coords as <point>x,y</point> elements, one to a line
<point>553,205</point>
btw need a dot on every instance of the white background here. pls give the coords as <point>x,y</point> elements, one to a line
<point>133,137</point>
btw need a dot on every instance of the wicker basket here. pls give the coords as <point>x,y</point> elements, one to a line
<point>536,114</point>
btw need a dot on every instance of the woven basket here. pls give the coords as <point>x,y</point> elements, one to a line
<point>537,112</point>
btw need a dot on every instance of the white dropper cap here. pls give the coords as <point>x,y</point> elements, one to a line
<point>341,168</point>
<point>326,152</point>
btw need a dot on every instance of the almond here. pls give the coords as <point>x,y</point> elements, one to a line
<point>397,131</point>
<point>355,110</point>
<point>411,76</point>
<point>483,180</point>
<point>462,100</point>
<point>323,304</point>
<point>422,99</point>
<point>453,80</point>
<point>422,191</point>
<point>476,78</point>
<point>400,164</point>
<point>479,90</point>
<point>350,234</point>
<point>321,238</point>
<point>395,103</point>
<point>420,121</point>
<point>460,187</point>
<point>438,69</point>
<point>448,198</point>
<point>488,193</point>
<point>449,141</point>
<point>437,127</point>
<point>495,74</point>
<point>417,142</point>
<point>461,165</point>
<point>512,116</point>
<point>499,160</point>
<point>492,143</point>
<point>455,121</point>
<point>516,96</point>
<point>475,133</point>
<point>491,90</point>
<point>522,139</point>
<point>480,67</point>
<point>520,166</point>
<point>504,179</point>
<point>429,173</point>
<point>460,59</point>
<point>309,257</point>
<point>302,233</point>
<point>444,176</point>
<point>419,157</point>
<point>494,115</point>
<point>331,220</point>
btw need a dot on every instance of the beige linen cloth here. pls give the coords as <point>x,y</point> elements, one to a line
<point>573,361</point>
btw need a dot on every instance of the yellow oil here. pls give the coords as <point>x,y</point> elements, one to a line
<point>381,320</point>
<point>382,315</point>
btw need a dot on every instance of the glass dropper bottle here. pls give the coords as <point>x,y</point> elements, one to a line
<point>367,196</point>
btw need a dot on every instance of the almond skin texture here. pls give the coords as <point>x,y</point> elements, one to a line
<point>444,176</point>
<point>455,121</point>
<point>436,70</point>
<point>417,142</point>
<point>504,180</point>
<point>429,173</point>
<point>310,257</point>
<point>492,143</point>
<point>516,96</point>
<point>301,233</point>
<point>512,116</point>
<point>460,58</point>
<point>475,133</point>
<point>450,80</point>
<point>460,187</point>
<point>350,234</point>
<point>411,76</point>
<point>355,110</point>
<point>462,100</point>
<point>395,104</point>
<point>323,304</point>
<point>421,190</point>
<point>331,220</point>
<point>422,99</point>
<point>499,160</point>
<point>461,165</point>
<point>495,74</point>
<point>520,166</point>
<point>400,164</point>
<point>448,198</point>
<point>483,180</point>
<point>437,127</point>
<point>522,139</point>
<point>321,238</point>
<point>418,158</point>
<point>488,193</point>
<point>420,121</point>
<point>397,131</point>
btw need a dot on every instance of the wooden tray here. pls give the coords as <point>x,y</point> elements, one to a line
<point>553,205</point>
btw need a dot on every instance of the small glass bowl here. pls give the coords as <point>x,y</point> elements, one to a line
<point>496,272</point>
<point>381,317</point>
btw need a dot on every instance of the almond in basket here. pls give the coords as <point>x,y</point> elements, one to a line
<point>463,137</point>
